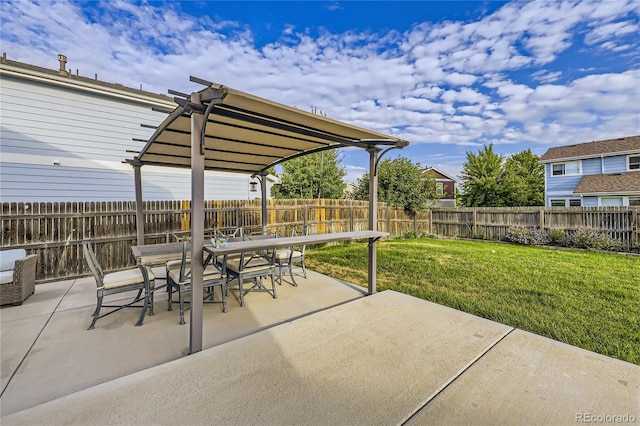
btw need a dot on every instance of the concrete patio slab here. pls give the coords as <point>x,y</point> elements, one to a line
<point>375,360</point>
<point>321,353</point>
<point>67,358</point>
<point>528,379</point>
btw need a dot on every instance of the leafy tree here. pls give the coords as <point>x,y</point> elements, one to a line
<point>400,182</point>
<point>523,180</point>
<point>491,181</point>
<point>481,179</point>
<point>316,175</point>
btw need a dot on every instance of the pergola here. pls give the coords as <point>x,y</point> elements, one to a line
<point>219,128</point>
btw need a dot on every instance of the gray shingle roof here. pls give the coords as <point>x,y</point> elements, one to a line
<point>629,143</point>
<point>614,182</point>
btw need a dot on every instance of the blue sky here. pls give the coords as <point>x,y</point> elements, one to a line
<point>448,76</point>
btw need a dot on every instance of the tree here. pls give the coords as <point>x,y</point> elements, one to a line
<point>400,182</point>
<point>491,181</point>
<point>481,179</point>
<point>318,175</point>
<point>523,180</point>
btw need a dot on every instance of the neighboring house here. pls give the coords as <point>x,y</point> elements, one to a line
<point>64,137</point>
<point>593,174</point>
<point>445,187</point>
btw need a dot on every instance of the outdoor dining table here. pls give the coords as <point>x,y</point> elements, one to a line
<point>150,255</point>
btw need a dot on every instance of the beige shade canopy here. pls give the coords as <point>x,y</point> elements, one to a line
<point>248,134</point>
<point>228,130</point>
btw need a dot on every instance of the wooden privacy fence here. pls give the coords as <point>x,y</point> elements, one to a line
<point>493,223</point>
<point>55,231</point>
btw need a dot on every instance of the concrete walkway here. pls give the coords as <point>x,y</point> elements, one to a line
<point>384,359</point>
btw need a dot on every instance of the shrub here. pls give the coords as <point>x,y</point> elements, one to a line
<point>557,237</point>
<point>526,236</point>
<point>592,240</point>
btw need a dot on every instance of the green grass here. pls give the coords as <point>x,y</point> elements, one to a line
<point>586,299</point>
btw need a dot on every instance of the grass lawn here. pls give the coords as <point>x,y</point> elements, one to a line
<point>586,299</point>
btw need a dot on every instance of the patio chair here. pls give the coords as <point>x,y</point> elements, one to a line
<point>254,266</point>
<point>17,276</point>
<point>119,282</point>
<point>179,279</point>
<point>287,257</point>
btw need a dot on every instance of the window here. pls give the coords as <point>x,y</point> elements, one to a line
<point>634,201</point>
<point>557,203</point>
<point>568,168</point>
<point>611,202</point>
<point>439,188</point>
<point>634,162</point>
<point>574,202</point>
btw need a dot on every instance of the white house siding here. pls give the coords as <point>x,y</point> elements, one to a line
<point>68,144</point>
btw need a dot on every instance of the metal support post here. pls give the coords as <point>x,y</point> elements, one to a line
<point>197,226</point>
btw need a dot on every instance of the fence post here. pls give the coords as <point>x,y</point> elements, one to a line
<point>351,215</point>
<point>474,219</point>
<point>430,221</point>
<point>635,228</point>
<point>541,219</point>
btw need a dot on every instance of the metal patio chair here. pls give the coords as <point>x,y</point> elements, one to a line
<point>119,282</point>
<point>179,279</point>
<point>254,266</point>
<point>285,258</point>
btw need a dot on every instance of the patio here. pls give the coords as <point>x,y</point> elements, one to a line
<point>321,353</point>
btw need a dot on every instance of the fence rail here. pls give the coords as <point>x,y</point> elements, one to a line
<point>55,231</point>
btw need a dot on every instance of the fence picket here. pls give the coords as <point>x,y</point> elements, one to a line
<point>55,230</point>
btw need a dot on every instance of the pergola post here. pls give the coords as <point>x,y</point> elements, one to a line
<point>137,174</point>
<point>263,190</point>
<point>373,215</point>
<point>197,226</point>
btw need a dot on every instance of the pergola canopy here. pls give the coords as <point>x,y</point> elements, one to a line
<point>249,134</point>
<point>219,128</point>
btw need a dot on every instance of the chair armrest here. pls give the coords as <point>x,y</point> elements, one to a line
<point>24,274</point>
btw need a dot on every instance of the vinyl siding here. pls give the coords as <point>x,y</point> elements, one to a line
<point>616,164</point>
<point>590,202</point>
<point>592,166</point>
<point>88,134</point>
<point>560,187</point>
<point>25,183</point>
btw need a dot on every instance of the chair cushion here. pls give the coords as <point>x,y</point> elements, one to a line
<point>174,264</point>
<point>255,265</point>
<point>8,258</point>
<point>284,254</point>
<point>6,277</point>
<point>210,273</point>
<point>122,278</point>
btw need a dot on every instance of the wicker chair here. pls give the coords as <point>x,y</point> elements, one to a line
<point>17,276</point>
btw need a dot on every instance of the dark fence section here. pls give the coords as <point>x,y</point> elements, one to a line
<point>55,231</point>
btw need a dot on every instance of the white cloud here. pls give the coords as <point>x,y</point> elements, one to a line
<point>447,83</point>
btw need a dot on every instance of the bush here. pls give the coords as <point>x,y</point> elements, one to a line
<point>526,236</point>
<point>557,237</point>
<point>592,240</point>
